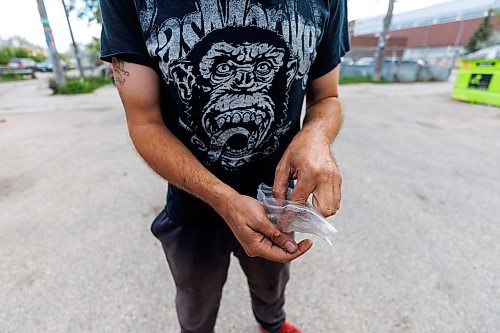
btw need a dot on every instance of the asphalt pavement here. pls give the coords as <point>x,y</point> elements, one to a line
<point>417,248</point>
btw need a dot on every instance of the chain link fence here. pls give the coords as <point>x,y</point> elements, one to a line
<point>400,64</point>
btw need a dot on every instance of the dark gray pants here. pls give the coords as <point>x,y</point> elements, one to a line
<point>198,255</point>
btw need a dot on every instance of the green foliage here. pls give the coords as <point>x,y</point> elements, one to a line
<point>6,53</point>
<point>362,79</point>
<point>15,77</point>
<point>22,52</point>
<point>94,46</point>
<point>9,52</point>
<point>79,85</point>
<point>38,56</point>
<point>481,35</point>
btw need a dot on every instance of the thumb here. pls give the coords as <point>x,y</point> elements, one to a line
<point>281,239</point>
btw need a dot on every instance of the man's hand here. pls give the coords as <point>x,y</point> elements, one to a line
<point>257,235</point>
<point>309,160</point>
<point>139,89</point>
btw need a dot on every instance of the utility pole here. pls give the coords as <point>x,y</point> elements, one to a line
<point>382,41</point>
<point>51,45</point>
<point>75,47</point>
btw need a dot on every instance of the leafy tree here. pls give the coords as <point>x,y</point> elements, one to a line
<point>9,52</point>
<point>22,52</point>
<point>6,53</point>
<point>86,9</point>
<point>94,46</point>
<point>482,34</point>
<point>38,56</point>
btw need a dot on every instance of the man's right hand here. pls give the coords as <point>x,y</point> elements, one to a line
<point>257,235</point>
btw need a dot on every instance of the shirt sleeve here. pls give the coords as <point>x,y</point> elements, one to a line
<point>335,41</point>
<point>121,34</point>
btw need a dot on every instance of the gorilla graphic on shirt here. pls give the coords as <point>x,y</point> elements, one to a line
<point>234,84</point>
<point>232,64</point>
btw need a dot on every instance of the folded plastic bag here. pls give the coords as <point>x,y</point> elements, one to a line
<point>290,216</point>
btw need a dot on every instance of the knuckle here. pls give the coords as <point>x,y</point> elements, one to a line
<point>328,169</point>
<point>308,164</point>
<point>315,170</point>
<point>310,167</point>
<point>262,219</point>
<point>275,236</point>
<point>278,171</point>
<point>276,192</point>
<point>328,211</point>
<point>251,253</point>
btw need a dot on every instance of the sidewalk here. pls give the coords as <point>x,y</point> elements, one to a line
<point>417,248</point>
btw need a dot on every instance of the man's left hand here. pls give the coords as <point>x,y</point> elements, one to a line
<point>309,160</point>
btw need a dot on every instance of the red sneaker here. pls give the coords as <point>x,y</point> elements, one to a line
<point>286,328</point>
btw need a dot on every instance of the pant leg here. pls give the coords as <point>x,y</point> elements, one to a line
<point>198,258</point>
<point>267,281</point>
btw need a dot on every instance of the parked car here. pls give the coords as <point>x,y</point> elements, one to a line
<point>21,63</point>
<point>46,66</point>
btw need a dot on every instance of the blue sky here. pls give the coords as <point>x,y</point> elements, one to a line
<point>20,17</point>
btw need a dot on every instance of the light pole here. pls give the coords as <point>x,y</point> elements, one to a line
<point>75,47</point>
<point>51,45</point>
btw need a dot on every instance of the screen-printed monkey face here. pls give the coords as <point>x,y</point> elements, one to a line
<point>236,94</point>
<point>239,112</point>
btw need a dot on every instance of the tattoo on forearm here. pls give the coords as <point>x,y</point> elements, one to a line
<point>119,72</point>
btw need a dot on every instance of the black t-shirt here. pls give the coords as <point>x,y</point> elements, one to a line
<point>234,75</point>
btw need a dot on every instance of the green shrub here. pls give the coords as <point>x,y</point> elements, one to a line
<point>79,85</point>
<point>15,77</point>
<point>361,79</point>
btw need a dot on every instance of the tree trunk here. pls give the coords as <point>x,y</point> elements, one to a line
<point>379,55</point>
<point>75,47</point>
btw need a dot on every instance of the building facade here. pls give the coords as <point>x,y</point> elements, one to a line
<point>437,31</point>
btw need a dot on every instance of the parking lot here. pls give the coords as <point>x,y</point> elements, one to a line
<point>417,248</point>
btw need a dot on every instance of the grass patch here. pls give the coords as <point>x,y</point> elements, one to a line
<point>362,79</point>
<point>15,77</point>
<point>79,85</point>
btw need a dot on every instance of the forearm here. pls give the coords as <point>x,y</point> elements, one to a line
<point>139,91</point>
<point>166,155</point>
<point>324,119</point>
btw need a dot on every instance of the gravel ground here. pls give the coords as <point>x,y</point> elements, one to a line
<point>417,248</point>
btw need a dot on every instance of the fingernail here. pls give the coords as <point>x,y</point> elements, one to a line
<point>290,247</point>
